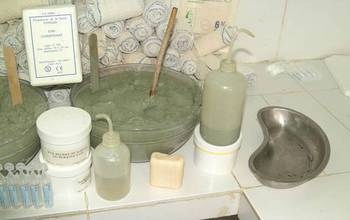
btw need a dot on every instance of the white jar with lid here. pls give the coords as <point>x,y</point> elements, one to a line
<point>65,135</point>
<point>74,178</point>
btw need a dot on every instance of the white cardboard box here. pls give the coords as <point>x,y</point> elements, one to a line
<point>52,45</point>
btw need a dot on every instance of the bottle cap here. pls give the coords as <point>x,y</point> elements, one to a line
<point>111,138</point>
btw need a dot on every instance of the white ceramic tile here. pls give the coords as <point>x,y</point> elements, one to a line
<point>317,75</point>
<point>265,83</point>
<point>336,103</point>
<point>323,198</point>
<point>264,19</point>
<point>315,28</point>
<point>196,185</point>
<point>252,138</point>
<point>338,135</point>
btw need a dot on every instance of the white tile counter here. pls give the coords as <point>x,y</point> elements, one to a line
<point>205,196</point>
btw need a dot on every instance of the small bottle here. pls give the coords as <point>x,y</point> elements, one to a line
<point>24,186</point>
<point>111,161</point>
<point>35,189</point>
<point>4,193</point>
<point>223,103</point>
<point>12,185</point>
<point>47,187</point>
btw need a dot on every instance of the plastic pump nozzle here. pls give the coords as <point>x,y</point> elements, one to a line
<point>228,64</point>
<point>111,138</point>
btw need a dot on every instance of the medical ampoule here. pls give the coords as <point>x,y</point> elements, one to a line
<point>24,185</point>
<point>12,183</point>
<point>4,193</point>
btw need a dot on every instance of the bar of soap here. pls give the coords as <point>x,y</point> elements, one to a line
<point>167,171</point>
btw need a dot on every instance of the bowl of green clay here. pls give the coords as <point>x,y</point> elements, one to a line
<point>19,141</point>
<point>162,123</point>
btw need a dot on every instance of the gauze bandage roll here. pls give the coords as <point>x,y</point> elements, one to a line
<point>156,12</point>
<point>182,39</point>
<point>101,44</point>
<point>139,28</point>
<point>160,30</point>
<point>113,30</point>
<point>58,98</point>
<point>84,25</point>
<point>138,57</point>
<point>12,9</point>
<point>215,40</point>
<point>112,55</point>
<point>102,12</point>
<point>21,59</point>
<point>14,37</point>
<point>151,46</point>
<point>172,59</point>
<point>189,63</point>
<point>127,43</point>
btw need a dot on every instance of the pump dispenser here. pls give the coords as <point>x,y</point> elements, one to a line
<point>223,101</point>
<point>111,161</point>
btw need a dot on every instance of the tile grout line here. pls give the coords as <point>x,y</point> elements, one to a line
<point>281,30</point>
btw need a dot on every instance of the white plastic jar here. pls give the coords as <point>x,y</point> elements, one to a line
<point>213,159</point>
<point>70,179</point>
<point>64,135</point>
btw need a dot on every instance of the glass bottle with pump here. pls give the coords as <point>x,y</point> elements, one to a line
<point>111,161</point>
<point>223,102</point>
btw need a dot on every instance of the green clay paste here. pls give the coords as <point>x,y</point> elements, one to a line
<point>18,121</point>
<point>125,98</point>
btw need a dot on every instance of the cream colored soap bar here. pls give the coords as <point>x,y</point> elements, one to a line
<point>166,170</point>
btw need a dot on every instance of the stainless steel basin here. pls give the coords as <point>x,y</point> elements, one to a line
<point>295,149</point>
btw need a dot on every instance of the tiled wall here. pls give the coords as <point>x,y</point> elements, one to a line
<point>293,29</point>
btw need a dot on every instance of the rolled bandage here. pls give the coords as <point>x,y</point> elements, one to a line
<point>127,43</point>
<point>21,59</point>
<point>156,12</point>
<point>101,44</point>
<point>139,28</point>
<point>202,71</point>
<point>112,55</point>
<point>58,98</point>
<point>113,30</point>
<point>182,39</point>
<point>189,63</point>
<point>84,25</point>
<point>215,40</point>
<point>151,46</point>
<point>138,57</point>
<point>14,37</point>
<point>160,30</point>
<point>102,12</point>
<point>172,59</point>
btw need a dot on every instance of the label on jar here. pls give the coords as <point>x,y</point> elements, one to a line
<point>66,157</point>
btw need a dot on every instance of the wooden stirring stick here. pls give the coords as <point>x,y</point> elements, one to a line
<point>12,76</point>
<point>164,46</point>
<point>94,74</point>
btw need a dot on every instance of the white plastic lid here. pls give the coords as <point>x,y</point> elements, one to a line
<point>66,171</point>
<point>203,145</point>
<point>63,125</point>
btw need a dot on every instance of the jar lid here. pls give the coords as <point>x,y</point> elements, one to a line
<point>66,171</point>
<point>63,125</point>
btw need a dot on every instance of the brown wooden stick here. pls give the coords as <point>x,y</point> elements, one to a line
<point>94,68</point>
<point>12,76</point>
<point>164,46</point>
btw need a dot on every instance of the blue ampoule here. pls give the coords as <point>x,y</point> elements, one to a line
<point>11,180</point>
<point>35,189</point>
<point>4,196</point>
<point>47,187</point>
<point>24,185</point>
